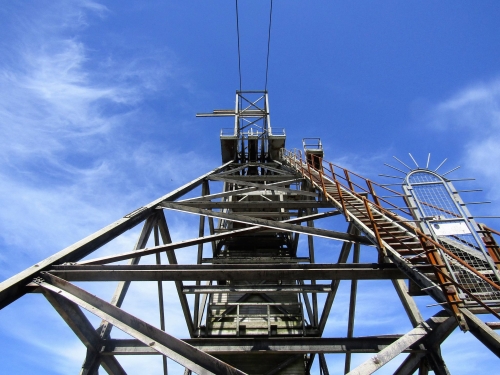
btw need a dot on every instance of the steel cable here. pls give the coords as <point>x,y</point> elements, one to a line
<point>238,34</point>
<point>268,43</point>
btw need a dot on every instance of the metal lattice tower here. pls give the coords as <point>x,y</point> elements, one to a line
<point>262,299</point>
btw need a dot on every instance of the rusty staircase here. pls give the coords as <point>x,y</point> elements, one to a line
<point>444,269</point>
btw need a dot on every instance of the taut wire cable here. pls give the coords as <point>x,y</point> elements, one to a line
<point>268,43</point>
<point>238,33</point>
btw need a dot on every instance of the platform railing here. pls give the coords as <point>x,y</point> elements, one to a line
<point>238,316</point>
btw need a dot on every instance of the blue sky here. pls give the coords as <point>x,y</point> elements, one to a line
<point>97,105</point>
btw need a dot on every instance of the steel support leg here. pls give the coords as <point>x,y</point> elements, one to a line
<point>84,330</point>
<point>323,365</point>
<point>410,364</point>
<point>165,234</point>
<point>352,309</point>
<point>160,296</point>
<point>184,354</point>
<point>482,332</point>
<point>408,302</point>
<point>344,254</point>
<point>419,333</point>
<point>122,288</point>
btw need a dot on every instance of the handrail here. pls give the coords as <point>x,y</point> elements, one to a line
<point>491,230</point>
<point>421,236</point>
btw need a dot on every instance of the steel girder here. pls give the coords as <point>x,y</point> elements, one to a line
<point>52,277</point>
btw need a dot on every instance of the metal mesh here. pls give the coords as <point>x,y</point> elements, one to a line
<point>423,177</point>
<point>436,203</point>
<point>435,200</point>
<point>438,213</point>
<point>470,281</point>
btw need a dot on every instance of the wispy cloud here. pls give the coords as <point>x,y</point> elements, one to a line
<point>50,106</point>
<point>72,159</point>
<point>473,116</point>
<point>475,107</point>
<point>67,122</point>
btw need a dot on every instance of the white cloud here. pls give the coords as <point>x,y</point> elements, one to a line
<point>66,169</point>
<point>67,164</point>
<point>472,116</point>
<point>476,107</point>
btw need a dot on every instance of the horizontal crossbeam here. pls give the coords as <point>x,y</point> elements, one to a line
<point>242,191</point>
<point>269,187</point>
<point>368,271</point>
<point>261,205</point>
<point>235,346</point>
<point>258,288</point>
<point>258,178</point>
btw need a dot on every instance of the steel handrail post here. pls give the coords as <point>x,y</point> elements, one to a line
<point>309,172</point>
<point>469,293</point>
<point>348,179</point>
<point>299,159</point>
<point>322,180</point>
<point>333,173</point>
<point>491,230</point>
<point>490,244</point>
<point>372,192</point>
<point>375,230</point>
<point>465,264</point>
<point>339,189</point>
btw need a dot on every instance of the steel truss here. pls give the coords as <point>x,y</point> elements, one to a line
<point>259,309</point>
<point>284,275</point>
